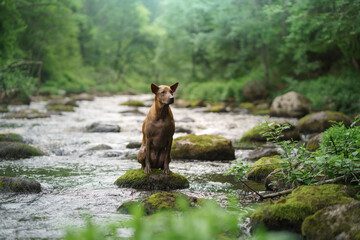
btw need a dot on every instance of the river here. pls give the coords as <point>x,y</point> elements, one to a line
<point>76,181</point>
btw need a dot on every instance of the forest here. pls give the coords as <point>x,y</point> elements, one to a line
<point>263,137</point>
<point>212,47</point>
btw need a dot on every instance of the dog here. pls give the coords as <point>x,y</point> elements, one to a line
<point>158,130</point>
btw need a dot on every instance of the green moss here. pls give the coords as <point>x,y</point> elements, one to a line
<point>133,103</point>
<point>11,137</point>
<point>254,134</point>
<point>202,147</point>
<point>29,114</point>
<point>16,150</point>
<point>137,179</point>
<point>13,184</point>
<point>263,167</point>
<point>289,212</point>
<point>247,105</point>
<point>333,222</point>
<point>217,108</point>
<point>61,108</point>
<point>320,121</point>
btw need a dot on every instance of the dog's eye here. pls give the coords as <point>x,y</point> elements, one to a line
<point>163,92</point>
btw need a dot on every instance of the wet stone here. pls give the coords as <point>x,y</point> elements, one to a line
<point>103,127</point>
<point>19,185</point>
<point>17,150</point>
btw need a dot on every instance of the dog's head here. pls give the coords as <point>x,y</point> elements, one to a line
<point>164,94</point>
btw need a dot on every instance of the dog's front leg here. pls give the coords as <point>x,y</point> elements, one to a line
<point>147,159</point>
<point>167,158</point>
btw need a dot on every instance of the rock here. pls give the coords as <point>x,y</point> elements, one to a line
<point>340,221</point>
<point>27,114</point>
<point>157,180</point>
<point>255,90</point>
<point>187,120</point>
<point>133,145</point>
<point>133,103</point>
<point>17,150</point>
<point>253,135</point>
<point>291,104</point>
<point>314,143</point>
<point>256,108</point>
<point>160,201</point>
<point>182,130</point>
<point>261,152</point>
<point>99,147</point>
<point>83,97</point>
<point>263,167</point>
<point>217,108</point>
<point>19,185</point>
<point>165,200</point>
<point>11,137</point>
<point>62,101</point>
<point>129,91</point>
<point>289,212</point>
<point>181,103</point>
<point>60,108</point>
<point>320,121</point>
<point>202,147</point>
<point>103,127</point>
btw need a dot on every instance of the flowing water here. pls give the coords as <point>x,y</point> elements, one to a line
<point>76,181</point>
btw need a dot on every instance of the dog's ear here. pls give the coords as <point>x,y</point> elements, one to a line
<point>173,87</point>
<point>154,88</point>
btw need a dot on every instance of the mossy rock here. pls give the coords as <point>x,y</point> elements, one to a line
<point>133,103</point>
<point>261,152</point>
<point>16,150</point>
<point>26,114</point>
<point>314,143</point>
<point>340,221</point>
<point>288,213</point>
<point>99,147</point>
<point>254,134</point>
<point>157,180</point>
<point>217,108</point>
<point>62,101</point>
<point>133,145</point>
<point>83,97</point>
<point>291,104</point>
<point>202,147</point>
<point>263,167</point>
<point>320,121</point>
<point>160,201</point>
<point>60,108</point>
<point>19,185</point>
<point>11,137</point>
<point>275,182</point>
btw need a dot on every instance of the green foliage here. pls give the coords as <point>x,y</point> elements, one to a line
<point>330,92</point>
<point>338,156</point>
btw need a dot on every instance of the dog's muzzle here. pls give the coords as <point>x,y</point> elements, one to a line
<point>171,100</point>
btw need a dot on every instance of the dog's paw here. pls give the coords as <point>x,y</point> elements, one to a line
<point>167,171</point>
<point>147,170</point>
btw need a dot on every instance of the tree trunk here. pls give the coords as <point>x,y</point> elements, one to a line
<point>266,65</point>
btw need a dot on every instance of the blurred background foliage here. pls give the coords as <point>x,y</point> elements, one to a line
<point>212,47</point>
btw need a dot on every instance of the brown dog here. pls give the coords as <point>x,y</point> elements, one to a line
<point>158,130</point>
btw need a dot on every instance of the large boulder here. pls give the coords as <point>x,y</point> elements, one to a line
<point>17,150</point>
<point>254,134</point>
<point>288,213</point>
<point>263,167</point>
<point>254,91</point>
<point>261,152</point>
<point>102,127</point>
<point>320,121</point>
<point>157,180</point>
<point>340,221</point>
<point>291,104</point>
<point>202,147</point>
<point>19,185</point>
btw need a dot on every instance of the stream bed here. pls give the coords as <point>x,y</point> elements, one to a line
<point>76,181</point>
